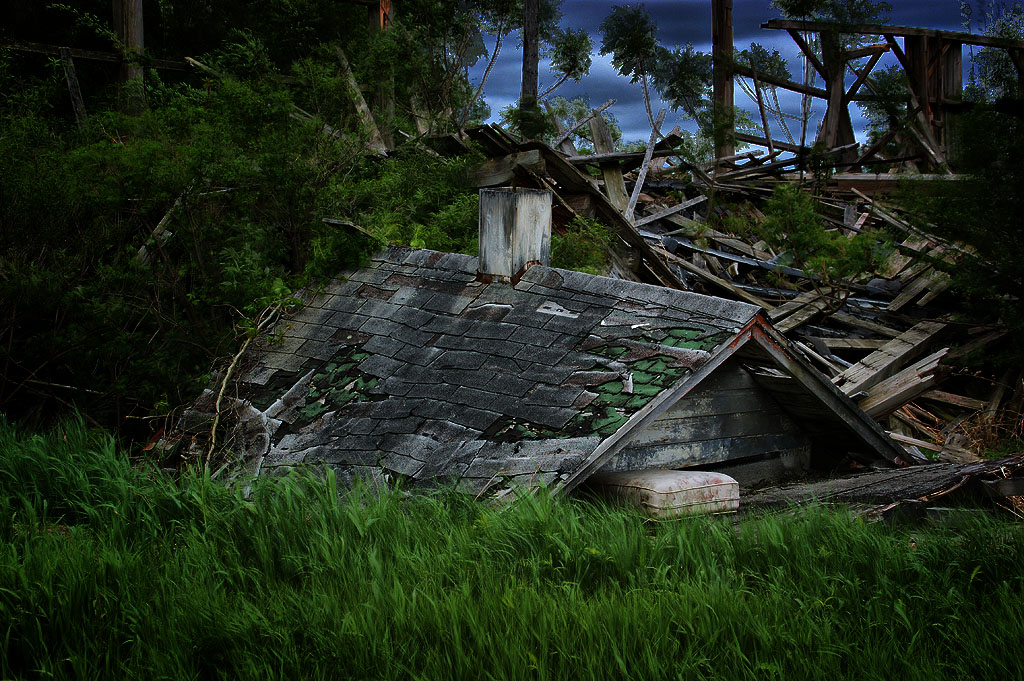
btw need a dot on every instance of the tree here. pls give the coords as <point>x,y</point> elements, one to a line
<point>569,53</point>
<point>627,33</point>
<point>500,18</point>
<point>993,75</point>
<point>530,117</point>
<point>683,77</point>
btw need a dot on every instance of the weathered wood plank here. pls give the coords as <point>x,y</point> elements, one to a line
<point>639,184</point>
<point>614,186</point>
<point>717,281</point>
<point>907,440</point>
<point>865,324</point>
<point>719,401</point>
<point>957,400</point>
<point>831,398</point>
<point>852,343</point>
<point>702,453</point>
<point>903,387</point>
<point>792,306</point>
<point>889,358</point>
<point>928,279</point>
<point>670,211</point>
<point>501,171</point>
<point>680,431</point>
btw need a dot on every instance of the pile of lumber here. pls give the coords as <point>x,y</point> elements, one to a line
<point>896,340</point>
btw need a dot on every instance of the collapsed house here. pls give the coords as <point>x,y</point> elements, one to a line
<point>495,372</point>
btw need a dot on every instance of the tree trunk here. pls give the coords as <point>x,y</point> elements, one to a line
<point>530,118</point>
<point>129,28</point>
<point>721,50</point>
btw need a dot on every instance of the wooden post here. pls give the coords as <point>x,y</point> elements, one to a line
<point>531,124</point>
<point>836,128</point>
<point>614,186</point>
<point>73,88</point>
<point>379,16</point>
<point>128,25</point>
<point>721,36</point>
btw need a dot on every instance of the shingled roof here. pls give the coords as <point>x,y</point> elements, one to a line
<point>410,369</point>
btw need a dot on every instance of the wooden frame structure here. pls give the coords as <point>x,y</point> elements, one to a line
<point>932,60</point>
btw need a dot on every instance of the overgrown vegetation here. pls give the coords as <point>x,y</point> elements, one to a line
<point>114,571</point>
<point>793,228</point>
<point>239,185</point>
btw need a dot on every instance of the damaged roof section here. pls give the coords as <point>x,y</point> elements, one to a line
<point>412,370</point>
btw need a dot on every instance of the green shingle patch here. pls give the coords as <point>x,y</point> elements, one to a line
<point>337,383</point>
<point>693,339</point>
<point>610,351</point>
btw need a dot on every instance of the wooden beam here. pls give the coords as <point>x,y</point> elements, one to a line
<point>862,76</point>
<point>809,53</point>
<point>761,141</point>
<point>670,211</point>
<point>74,89</point>
<point>562,143</point>
<point>760,107</point>
<point>586,119</point>
<point>820,387</point>
<point>894,392</point>
<point>91,55</point>
<point>619,156</point>
<point>889,358</point>
<point>501,171</point>
<point>851,343</point>
<point>362,110</point>
<point>791,85</point>
<point>903,31</point>
<point>614,186</point>
<point>722,84</point>
<point>639,184</point>
<point>712,279</point>
<point>866,51</point>
<point>957,400</point>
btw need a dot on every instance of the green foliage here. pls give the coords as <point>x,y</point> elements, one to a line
<point>993,75</point>
<point>110,571</point>
<point>984,209</point>
<point>413,199</point>
<point>627,33</point>
<point>889,111</point>
<point>240,187</point>
<point>569,53</point>
<point>583,246</point>
<point>792,225</point>
<point>838,11</point>
<point>683,77</point>
<point>758,57</point>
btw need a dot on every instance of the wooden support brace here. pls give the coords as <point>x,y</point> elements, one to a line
<point>631,206</point>
<point>77,104</point>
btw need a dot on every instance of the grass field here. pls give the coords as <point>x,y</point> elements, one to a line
<point>109,571</point>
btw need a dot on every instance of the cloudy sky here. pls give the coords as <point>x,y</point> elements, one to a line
<point>680,22</point>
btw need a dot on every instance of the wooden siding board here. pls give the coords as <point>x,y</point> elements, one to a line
<point>703,452</point>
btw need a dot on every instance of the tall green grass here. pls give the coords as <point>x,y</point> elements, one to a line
<point>110,571</point>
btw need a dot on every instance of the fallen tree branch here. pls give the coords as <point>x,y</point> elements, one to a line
<point>271,314</point>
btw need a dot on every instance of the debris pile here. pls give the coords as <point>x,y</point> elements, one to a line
<point>896,338</point>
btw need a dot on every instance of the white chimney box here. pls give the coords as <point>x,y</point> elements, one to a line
<point>515,232</point>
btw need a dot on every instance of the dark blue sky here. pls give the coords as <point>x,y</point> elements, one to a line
<point>681,22</point>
